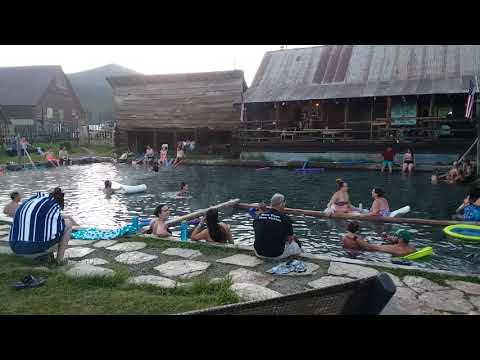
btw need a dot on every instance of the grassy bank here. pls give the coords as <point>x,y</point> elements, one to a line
<point>74,150</point>
<point>64,295</point>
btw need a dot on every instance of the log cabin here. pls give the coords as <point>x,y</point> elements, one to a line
<point>39,100</point>
<point>157,109</point>
<point>360,98</point>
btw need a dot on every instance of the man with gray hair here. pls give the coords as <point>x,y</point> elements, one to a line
<point>274,237</point>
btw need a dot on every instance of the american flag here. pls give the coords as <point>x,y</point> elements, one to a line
<point>470,101</point>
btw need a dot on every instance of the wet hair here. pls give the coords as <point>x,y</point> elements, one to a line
<point>14,195</point>
<point>340,183</point>
<point>473,194</point>
<point>353,227</point>
<point>467,161</point>
<point>158,210</point>
<point>108,184</point>
<point>378,191</point>
<point>214,229</point>
<point>58,195</point>
<point>182,185</point>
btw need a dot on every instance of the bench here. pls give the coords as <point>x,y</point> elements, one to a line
<point>365,296</point>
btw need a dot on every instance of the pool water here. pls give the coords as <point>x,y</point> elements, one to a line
<point>211,185</point>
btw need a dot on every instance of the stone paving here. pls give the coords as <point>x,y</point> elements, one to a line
<point>134,257</point>
<point>415,294</point>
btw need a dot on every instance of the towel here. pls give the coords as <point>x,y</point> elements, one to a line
<point>288,267</point>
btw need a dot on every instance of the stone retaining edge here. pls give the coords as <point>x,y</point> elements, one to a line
<point>330,258</point>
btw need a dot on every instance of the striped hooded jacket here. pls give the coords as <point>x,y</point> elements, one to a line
<point>37,225</point>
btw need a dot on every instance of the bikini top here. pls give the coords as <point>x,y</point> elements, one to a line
<point>384,212</point>
<point>341,203</point>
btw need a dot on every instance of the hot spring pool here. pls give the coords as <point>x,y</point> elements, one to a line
<point>210,185</point>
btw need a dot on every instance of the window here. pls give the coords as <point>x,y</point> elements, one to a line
<point>49,113</point>
<point>60,114</point>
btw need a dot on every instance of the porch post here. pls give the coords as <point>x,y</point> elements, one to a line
<point>155,140</point>
<point>277,113</point>
<point>345,117</point>
<point>372,113</point>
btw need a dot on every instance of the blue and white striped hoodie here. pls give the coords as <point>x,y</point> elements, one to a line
<point>37,225</point>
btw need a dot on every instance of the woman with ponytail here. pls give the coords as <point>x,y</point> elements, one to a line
<point>215,231</point>
<point>340,201</point>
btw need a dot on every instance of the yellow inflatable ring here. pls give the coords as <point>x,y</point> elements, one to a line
<point>463,232</point>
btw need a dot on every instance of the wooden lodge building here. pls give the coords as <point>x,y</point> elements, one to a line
<point>39,101</point>
<point>360,98</point>
<point>157,109</point>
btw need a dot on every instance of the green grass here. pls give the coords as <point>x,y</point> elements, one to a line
<point>438,278</point>
<point>64,295</point>
<point>163,244</point>
<point>76,150</point>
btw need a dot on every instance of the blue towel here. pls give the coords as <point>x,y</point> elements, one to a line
<point>288,267</point>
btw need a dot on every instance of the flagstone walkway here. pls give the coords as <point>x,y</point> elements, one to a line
<point>175,266</point>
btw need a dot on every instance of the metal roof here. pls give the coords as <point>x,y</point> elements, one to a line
<point>25,85</point>
<point>351,71</point>
<point>133,80</point>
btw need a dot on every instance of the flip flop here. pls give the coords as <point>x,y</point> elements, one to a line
<point>28,281</point>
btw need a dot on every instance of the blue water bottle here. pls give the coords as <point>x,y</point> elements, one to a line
<point>184,231</point>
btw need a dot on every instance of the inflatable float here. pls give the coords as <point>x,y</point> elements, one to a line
<point>128,189</point>
<point>309,169</point>
<point>394,213</point>
<point>93,233</point>
<point>463,232</point>
<point>426,251</point>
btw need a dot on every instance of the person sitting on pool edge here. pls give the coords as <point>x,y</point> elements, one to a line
<point>183,189</point>
<point>158,226</point>
<point>274,238</point>
<point>13,205</point>
<point>215,231</point>
<point>388,157</point>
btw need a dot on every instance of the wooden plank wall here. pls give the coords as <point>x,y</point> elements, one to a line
<point>183,104</point>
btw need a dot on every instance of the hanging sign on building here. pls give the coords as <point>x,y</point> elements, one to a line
<point>404,113</point>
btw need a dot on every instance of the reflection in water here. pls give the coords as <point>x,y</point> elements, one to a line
<point>86,201</point>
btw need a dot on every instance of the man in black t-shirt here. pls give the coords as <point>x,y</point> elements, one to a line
<point>274,232</point>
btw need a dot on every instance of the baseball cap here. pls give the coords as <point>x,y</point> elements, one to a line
<point>404,234</point>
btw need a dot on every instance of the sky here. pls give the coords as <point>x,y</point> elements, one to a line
<point>146,59</point>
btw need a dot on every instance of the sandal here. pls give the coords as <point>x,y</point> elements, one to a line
<point>28,281</point>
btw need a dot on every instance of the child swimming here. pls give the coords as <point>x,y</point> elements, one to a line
<point>13,205</point>
<point>183,189</point>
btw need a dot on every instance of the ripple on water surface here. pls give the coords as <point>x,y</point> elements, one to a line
<point>209,185</point>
